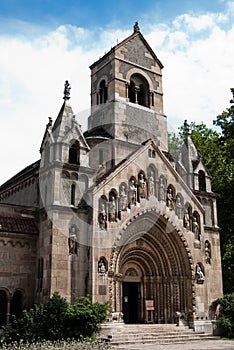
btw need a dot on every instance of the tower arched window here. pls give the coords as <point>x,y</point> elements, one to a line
<point>103,92</point>
<point>73,194</point>
<point>202,180</point>
<point>138,91</point>
<point>74,153</point>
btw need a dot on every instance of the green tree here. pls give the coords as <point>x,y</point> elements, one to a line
<point>217,150</point>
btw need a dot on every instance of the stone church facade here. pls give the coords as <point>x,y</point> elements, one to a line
<point>109,212</point>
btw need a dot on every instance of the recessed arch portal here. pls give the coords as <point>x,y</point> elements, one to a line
<point>154,248</point>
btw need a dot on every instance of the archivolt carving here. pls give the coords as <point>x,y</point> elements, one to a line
<point>165,239</point>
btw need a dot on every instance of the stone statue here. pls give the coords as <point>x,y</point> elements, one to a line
<point>151,184</point>
<point>132,193</point>
<point>72,241</point>
<point>102,219</point>
<point>199,273</point>
<point>136,27</point>
<point>67,89</point>
<point>170,199</point>
<point>179,207</point>
<point>195,228</point>
<point>122,198</point>
<point>141,186</point>
<point>207,252</point>
<point>161,190</point>
<point>186,220</point>
<point>112,209</point>
<point>101,267</point>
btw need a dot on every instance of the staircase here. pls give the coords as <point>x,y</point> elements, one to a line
<point>123,334</point>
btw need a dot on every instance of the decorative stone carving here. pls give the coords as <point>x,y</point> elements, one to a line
<point>132,193</point>
<point>196,228</point>
<point>187,220</point>
<point>123,198</point>
<point>200,277</point>
<point>73,241</point>
<point>67,89</point>
<point>161,190</point>
<point>179,207</point>
<point>151,182</point>
<point>170,199</point>
<point>102,267</point>
<point>141,186</point>
<point>102,219</point>
<point>207,252</point>
<point>112,209</point>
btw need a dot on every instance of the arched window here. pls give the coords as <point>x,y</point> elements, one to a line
<point>138,91</point>
<point>74,153</point>
<point>202,180</point>
<point>103,92</point>
<point>17,304</point>
<point>73,194</point>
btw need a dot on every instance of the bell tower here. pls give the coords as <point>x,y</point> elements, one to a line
<point>126,93</point>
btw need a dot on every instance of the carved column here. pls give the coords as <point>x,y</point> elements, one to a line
<point>151,98</point>
<point>127,90</point>
<point>137,89</point>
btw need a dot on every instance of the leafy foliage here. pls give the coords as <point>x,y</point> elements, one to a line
<point>56,320</point>
<point>226,314</point>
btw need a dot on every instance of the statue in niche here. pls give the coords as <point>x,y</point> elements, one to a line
<point>102,269</point>
<point>151,184</point>
<point>186,220</point>
<point>72,241</point>
<point>170,199</point>
<point>141,186</point>
<point>200,277</point>
<point>195,228</point>
<point>132,193</point>
<point>102,219</point>
<point>179,207</point>
<point>122,198</point>
<point>161,190</point>
<point>207,252</point>
<point>112,209</point>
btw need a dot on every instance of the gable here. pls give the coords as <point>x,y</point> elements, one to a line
<point>146,160</point>
<point>137,51</point>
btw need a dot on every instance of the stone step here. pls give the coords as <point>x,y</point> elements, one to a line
<point>122,334</point>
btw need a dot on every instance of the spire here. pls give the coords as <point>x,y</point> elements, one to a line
<point>136,27</point>
<point>66,92</point>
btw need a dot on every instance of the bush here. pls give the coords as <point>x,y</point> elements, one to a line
<point>226,314</point>
<point>56,320</point>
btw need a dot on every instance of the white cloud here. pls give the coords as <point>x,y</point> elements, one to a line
<point>196,78</point>
<point>199,23</point>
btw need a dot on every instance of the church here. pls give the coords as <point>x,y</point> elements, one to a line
<point>110,212</point>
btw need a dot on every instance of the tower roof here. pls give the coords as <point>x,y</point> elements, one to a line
<point>136,33</point>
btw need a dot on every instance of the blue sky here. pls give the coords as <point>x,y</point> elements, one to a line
<point>43,43</point>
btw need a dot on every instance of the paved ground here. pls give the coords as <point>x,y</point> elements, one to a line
<point>194,345</point>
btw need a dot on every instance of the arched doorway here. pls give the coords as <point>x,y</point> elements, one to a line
<point>3,307</point>
<point>152,264</point>
<point>17,304</point>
